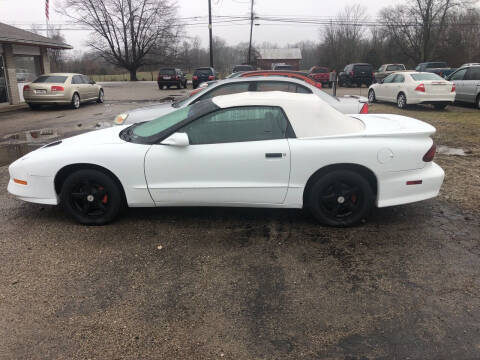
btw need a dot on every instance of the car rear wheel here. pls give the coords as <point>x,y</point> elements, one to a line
<point>100,96</point>
<point>75,101</point>
<point>91,197</point>
<point>33,106</point>
<point>340,198</point>
<point>401,101</point>
<point>371,96</point>
<point>478,101</point>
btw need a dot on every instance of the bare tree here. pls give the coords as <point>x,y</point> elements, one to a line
<point>417,26</point>
<point>125,31</point>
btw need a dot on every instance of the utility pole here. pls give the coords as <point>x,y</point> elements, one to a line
<point>251,32</point>
<point>210,31</point>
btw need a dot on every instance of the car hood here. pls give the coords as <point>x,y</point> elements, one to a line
<point>148,113</point>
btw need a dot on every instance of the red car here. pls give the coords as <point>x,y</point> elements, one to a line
<point>320,74</point>
<point>293,74</point>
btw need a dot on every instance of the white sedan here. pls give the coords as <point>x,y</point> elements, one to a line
<point>410,87</point>
<point>270,149</point>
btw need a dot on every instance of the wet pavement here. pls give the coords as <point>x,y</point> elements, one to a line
<point>237,283</point>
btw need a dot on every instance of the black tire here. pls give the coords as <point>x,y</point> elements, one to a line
<point>340,198</point>
<point>440,106</point>
<point>478,101</point>
<point>160,87</point>
<point>185,84</point>
<point>401,101</point>
<point>34,106</point>
<point>371,96</point>
<point>179,85</point>
<point>100,96</point>
<point>91,197</point>
<point>75,103</point>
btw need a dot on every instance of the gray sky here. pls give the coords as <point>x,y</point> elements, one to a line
<point>25,12</point>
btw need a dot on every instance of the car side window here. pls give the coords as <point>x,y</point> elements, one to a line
<point>239,124</point>
<point>303,90</point>
<point>459,75</point>
<point>399,79</point>
<point>276,86</point>
<point>389,79</point>
<point>85,79</point>
<point>77,79</point>
<point>473,74</point>
<point>227,89</point>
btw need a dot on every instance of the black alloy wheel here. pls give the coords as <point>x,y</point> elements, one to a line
<point>340,198</point>
<point>91,197</point>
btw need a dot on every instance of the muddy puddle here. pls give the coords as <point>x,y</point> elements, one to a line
<point>11,152</point>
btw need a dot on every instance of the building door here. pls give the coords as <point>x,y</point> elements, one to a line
<point>3,82</point>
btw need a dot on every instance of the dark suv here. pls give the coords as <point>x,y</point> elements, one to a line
<point>203,74</point>
<point>357,74</point>
<point>171,76</point>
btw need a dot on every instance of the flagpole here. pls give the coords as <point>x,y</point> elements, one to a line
<point>47,15</point>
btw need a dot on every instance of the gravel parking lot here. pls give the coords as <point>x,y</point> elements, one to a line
<point>187,283</point>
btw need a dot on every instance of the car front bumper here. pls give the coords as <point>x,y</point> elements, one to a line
<point>393,188</point>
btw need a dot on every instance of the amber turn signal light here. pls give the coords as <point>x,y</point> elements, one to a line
<point>21,182</point>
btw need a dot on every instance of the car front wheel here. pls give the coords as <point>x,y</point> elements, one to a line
<point>478,101</point>
<point>100,96</point>
<point>401,101</point>
<point>340,198</point>
<point>91,197</point>
<point>371,96</point>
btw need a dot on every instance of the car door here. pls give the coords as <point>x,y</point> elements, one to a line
<point>90,88</point>
<point>398,84</point>
<point>458,79</point>
<point>471,84</point>
<point>78,86</point>
<point>236,156</point>
<point>384,90</point>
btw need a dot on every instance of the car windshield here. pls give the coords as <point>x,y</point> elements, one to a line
<point>437,65</point>
<point>234,75</point>
<point>167,71</point>
<point>203,72</point>
<point>363,68</point>
<point>425,76</point>
<point>395,67</point>
<point>51,79</point>
<point>184,100</point>
<point>152,131</point>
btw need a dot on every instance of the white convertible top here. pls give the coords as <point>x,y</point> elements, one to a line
<point>309,115</point>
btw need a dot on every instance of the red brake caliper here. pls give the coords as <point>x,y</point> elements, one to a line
<point>105,197</point>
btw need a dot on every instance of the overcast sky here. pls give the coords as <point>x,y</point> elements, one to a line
<point>25,12</point>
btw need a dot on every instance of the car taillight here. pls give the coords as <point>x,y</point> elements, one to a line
<point>454,88</point>
<point>26,88</point>
<point>195,77</point>
<point>318,85</point>
<point>364,109</point>
<point>177,77</point>
<point>211,77</point>
<point>57,88</point>
<point>420,88</point>
<point>351,73</point>
<point>430,154</point>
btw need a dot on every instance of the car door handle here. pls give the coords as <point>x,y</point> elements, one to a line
<point>274,155</point>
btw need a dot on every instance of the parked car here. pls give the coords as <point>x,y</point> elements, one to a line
<point>62,89</point>
<point>356,74</point>
<point>203,74</point>
<point>467,84</point>
<point>282,66</point>
<point>320,74</point>
<point>440,68</point>
<point>346,104</point>
<point>406,88</point>
<point>387,69</point>
<point>241,68</point>
<point>171,77</point>
<point>268,149</point>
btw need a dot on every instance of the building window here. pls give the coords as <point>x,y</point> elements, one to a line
<point>27,67</point>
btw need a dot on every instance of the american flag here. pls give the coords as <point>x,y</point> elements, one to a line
<point>46,10</point>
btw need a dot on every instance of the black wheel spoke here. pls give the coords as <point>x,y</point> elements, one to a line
<point>86,207</point>
<point>78,195</point>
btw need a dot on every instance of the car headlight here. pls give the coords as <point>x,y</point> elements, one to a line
<point>120,119</point>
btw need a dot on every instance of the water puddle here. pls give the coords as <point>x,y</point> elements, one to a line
<point>11,152</point>
<point>40,135</point>
<point>446,150</point>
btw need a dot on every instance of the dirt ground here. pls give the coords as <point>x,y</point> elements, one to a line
<point>208,283</point>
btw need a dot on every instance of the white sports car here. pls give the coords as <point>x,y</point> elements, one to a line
<point>411,87</point>
<point>270,149</point>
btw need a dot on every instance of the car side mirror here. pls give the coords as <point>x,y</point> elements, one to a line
<point>177,139</point>
<point>92,82</point>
